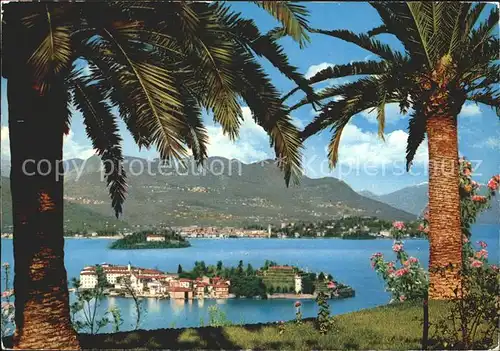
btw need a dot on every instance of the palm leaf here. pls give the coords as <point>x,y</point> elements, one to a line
<point>267,110</point>
<point>416,134</point>
<point>54,52</point>
<point>364,41</point>
<point>151,91</point>
<point>103,131</point>
<point>293,18</point>
<point>339,71</point>
<point>248,35</point>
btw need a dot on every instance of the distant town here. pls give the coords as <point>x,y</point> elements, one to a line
<point>213,282</point>
<point>346,227</point>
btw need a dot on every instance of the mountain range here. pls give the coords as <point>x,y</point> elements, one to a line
<point>413,199</point>
<point>223,192</point>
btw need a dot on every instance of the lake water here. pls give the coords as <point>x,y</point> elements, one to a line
<point>347,260</point>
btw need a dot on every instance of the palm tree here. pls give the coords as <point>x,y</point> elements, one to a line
<point>448,58</point>
<point>158,64</point>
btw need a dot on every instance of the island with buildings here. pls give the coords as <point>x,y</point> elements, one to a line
<point>164,239</point>
<point>214,281</point>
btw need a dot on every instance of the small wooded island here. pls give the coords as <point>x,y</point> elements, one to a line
<point>163,239</point>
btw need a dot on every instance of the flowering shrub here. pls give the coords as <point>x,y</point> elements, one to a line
<point>7,318</point>
<point>405,278</point>
<point>475,312</point>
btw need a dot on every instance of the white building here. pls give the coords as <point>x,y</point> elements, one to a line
<point>298,283</point>
<point>113,273</point>
<point>155,237</point>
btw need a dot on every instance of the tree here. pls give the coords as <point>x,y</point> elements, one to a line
<point>159,65</point>
<point>179,269</point>
<point>250,271</point>
<point>448,58</point>
<point>219,268</point>
<point>321,276</point>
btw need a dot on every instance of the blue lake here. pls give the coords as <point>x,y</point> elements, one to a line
<point>347,260</point>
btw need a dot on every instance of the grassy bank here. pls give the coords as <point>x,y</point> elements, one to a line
<point>388,327</point>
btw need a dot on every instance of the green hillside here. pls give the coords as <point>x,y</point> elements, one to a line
<point>232,193</point>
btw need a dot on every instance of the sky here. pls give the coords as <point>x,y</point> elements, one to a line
<point>365,161</point>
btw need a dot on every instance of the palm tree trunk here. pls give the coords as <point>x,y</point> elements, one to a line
<point>445,258</point>
<point>36,127</point>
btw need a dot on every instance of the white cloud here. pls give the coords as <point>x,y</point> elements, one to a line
<point>71,148</point>
<point>312,70</point>
<point>491,142</point>
<point>252,144</point>
<point>392,114</point>
<point>470,110</point>
<point>358,147</point>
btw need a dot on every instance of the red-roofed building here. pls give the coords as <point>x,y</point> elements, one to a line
<point>221,290</point>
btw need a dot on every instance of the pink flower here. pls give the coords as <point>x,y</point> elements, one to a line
<point>390,270</point>
<point>482,244</point>
<point>402,298</point>
<point>481,254</point>
<point>465,239</point>
<point>390,264</point>
<point>398,225</point>
<point>479,198</point>
<point>376,255</point>
<point>397,247</point>
<point>421,227</point>
<point>413,260</point>
<point>6,293</point>
<point>467,172</point>
<point>475,184</point>
<point>401,272</point>
<point>494,267</point>
<point>492,184</point>
<point>476,263</point>
<point>298,304</point>
<point>331,285</point>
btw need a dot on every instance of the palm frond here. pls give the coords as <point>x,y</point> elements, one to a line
<point>276,33</point>
<point>364,41</point>
<point>416,134</point>
<point>248,35</point>
<point>378,30</point>
<point>293,18</point>
<point>472,18</point>
<point>196,136</point>
<point>103,131</point>
<point>54,52</point>
<point>264,102</point>
<point>333,146</point>
<point>150,89</point>
<point>490,98</point>
<point>339,71</point>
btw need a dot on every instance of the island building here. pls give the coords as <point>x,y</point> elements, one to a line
<point>155,283</point>
<point>155,238</point>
